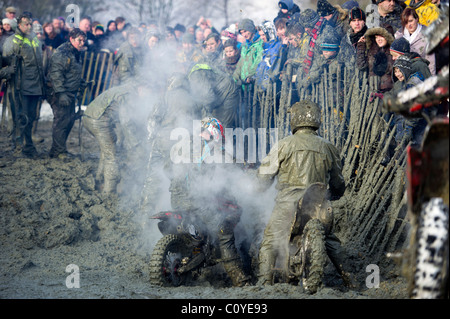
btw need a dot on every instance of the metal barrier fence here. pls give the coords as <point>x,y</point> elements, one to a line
<point>97,67</point>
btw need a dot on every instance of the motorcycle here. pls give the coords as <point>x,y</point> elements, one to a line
<point>425,261</point>
<point>307,252</point>
<point>186,247</point>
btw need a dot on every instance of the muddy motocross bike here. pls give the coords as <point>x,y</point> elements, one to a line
<point>186,248</point>
<point>307,252</point>
<point>425,262</point>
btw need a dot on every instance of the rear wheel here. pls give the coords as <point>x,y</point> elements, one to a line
<point>313,248</point>
<point>166,260</point>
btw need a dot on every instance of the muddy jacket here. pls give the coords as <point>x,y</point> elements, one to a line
<point>128,61</point>
<point>216,92</point>
<point>300,160</point>
<point>30,69</point>
<point>347,51</point>
<point>65,69</point>
<point>292,9</point>
<point>111,98</point>
<point>251,55</point>
<point>339,21</point>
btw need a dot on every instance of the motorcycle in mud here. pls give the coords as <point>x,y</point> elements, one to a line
<point>307,251</point>
<point>186,247</point>
<point>425,262</point>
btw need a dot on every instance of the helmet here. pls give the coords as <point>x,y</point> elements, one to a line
<point>214,128</point>
<point>305,114</point>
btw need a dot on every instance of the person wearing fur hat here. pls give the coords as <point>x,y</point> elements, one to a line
<point>335,15</point>
<point>373,55</point>
<point>357,29</point>
<point>382,12</point>
<point>287,9</point>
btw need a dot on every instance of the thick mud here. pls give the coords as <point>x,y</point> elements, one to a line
<point>52,218</point>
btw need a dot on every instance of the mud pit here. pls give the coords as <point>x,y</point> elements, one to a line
<point>52,217</point>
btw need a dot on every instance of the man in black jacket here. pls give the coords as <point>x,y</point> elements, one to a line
<point>65,81</point>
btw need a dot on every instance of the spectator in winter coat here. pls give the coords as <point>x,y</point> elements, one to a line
<point>287,9</point>
<point>383,12</point>
<point>327,60</point>
<point>231,55</point>
<point>401,47</point>
<point>9,26</point>
<point>251,53</point>
<point>347,52</point>
<point>413,31</point>
<point>335,15</point>
<point>269,69</point>
<point>404,78</point>
<point>426,10</point>
<point>373,56</point>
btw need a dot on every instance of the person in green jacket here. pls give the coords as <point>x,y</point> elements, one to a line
<point>251,53</point>
<point>298,161</point>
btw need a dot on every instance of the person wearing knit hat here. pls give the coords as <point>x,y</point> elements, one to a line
<point>247,25</point>
<point>350,5</point>
<point>324,8</point>
<point>399,47</point>
<point>309,18</point>
<point>356,13</point>
<point>287,9</point>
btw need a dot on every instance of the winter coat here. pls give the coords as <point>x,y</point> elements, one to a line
<point>216,93</point>
<point>128,61</point>
<point>251,56</point>
<point>419,45</point>
<point>231,63</point>
<point>374,20</point>
<point>426,10</point>
<point>269,68</point>
<point>292,9</point>
<point>300,160</point>
<point>65,69</point>
<point>377,61</point>
<point>29,50</point>
<point>347,51</point>
<point>339,21</point>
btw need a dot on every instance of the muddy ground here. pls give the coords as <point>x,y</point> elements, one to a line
<point>51,216</point>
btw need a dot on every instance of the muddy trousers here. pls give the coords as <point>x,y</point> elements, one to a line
<point>274,250</point>
<point>230,257</point>
<point>108,169</point>
<point>63,120</point>
<point>26,115</point>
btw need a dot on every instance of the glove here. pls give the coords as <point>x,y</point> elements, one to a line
<point>64,100</point>
<point>373,95</point>
<point>11,69</point>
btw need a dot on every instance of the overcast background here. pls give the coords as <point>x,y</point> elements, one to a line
<point>168,12</point>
